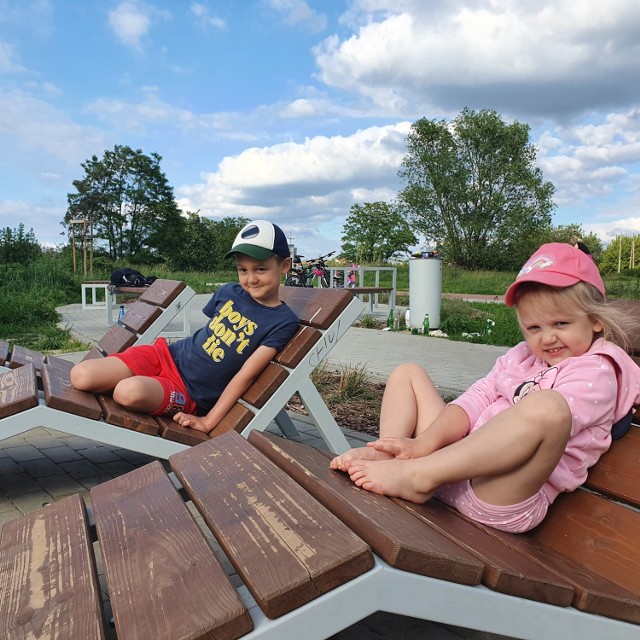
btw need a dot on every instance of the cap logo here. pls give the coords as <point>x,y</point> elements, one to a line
<point>250,232</point>
<point>542,262</point>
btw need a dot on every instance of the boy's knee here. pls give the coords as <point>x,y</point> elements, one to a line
<point>79,378</point>
<point>128,392</point>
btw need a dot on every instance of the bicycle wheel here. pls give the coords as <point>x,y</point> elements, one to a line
<point>292,281</point>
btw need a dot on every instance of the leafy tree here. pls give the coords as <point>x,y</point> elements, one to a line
<point>129,203</point>
<point>623,253</point>
<point>375,232</point>
<point>472,187</point>
<point>19,247</point>
<point>205,243</point>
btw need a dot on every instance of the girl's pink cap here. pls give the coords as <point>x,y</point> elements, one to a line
<point>557,265</point>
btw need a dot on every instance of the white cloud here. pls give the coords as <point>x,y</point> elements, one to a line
<point>8,61</point>
<point>297,12</point>
<point>204,18</point>
<point>131,21</point>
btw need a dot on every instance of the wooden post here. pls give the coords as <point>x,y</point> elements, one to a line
<point>619,252</point>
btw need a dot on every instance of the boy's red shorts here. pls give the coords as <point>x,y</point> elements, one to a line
<point>155,361</point>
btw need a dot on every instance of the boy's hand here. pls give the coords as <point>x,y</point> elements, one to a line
<point>193,422</point>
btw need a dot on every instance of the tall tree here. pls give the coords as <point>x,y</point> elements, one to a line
<point>472,187</point>
<point>205,243</point>
<point>18,246</point>
<point>375,232</point>
<point>128,201</point>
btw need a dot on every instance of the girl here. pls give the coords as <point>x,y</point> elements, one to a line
<point>531,428</point>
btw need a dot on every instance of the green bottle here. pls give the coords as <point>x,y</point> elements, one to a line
<point>390,320</point>
<point>425,325</point>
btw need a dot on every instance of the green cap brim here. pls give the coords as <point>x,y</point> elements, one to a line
<point>259,253</point>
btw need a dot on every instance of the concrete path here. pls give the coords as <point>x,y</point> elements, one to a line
<point>43,465</point>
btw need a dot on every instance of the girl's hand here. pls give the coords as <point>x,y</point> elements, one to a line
<point>401,448</point>
<point>193,422</point>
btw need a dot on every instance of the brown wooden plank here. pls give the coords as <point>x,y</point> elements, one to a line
<point>236,419</point>
<point>116,414</point>
<point>164,580</point>
<point>5,349</point>
<point>298,347</point>
<point>116,340</point>
<point>393,533</point>
<point>93,353</point>
<point>163,292</point>
<point>18,390</point>
<point>316,307</point>
<point>506,570</point>
<point>60,394</point>
<point>251,506</point>
<point>48,584</point>
<point>177,433</point>
<point>593,593</point>
<point>21,356</point>
<point>598,534</point>
<point>59,363</point>
<point>140,316</point>
<point>265,385</point>
<point>617,473</point>
<point>632,308</point>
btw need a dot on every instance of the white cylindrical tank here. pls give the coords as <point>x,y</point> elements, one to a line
<point>425,291</point>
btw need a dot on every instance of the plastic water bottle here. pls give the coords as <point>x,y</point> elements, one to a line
<point>407,319</point>
<point>121,315</point>
<point>425,325</point>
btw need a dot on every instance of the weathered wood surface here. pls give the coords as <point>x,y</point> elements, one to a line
<point>21,356</point>
<point>116,340</point>
<point>173,431</point>
<point>164,580</point>
<point>287,548</point>
<point>48,584</point>
<point>393,533</point>
<point>298,347</point>
<point>18,390</point>
<point>133,420</point>
<point>60,394</point>
<point>316,307</point>
<point>162,292</point>
<point>264,386</point>
<point>140,316</point>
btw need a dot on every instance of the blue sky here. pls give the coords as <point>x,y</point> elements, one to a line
<point>294,110</point>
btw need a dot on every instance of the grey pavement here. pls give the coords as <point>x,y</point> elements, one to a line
<point>43,465</point>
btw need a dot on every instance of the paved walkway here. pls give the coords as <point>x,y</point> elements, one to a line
<point>43,465</point>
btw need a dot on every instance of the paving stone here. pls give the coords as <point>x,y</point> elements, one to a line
<point>98,454</point>
<point>79,469</point>
<point>62,454</point>
<point>116,468</point>
<point>18,484</point>
<point>8,466</point>
<point>41,468</point>
<point>9,514</point>
<point>31,501</point>
<point>24,452</point>
<point>61,485</point>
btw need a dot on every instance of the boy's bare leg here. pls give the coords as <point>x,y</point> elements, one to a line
<point>508,459</point>
<point>409,404</point>
<point>99,375</point>
<point>139,393</point>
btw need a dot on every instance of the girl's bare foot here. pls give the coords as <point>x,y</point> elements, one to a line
<point>390,477</point>
<point>344,461</point>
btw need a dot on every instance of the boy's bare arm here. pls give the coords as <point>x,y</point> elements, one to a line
<point>232,393</point>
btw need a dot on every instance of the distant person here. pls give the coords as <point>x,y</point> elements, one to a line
<point>579,244</point>
<point>503,451</point>
<point>198,379</point>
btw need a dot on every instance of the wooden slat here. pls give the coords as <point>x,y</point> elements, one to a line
<point>18,390</point>
<point>60,364</point>
<point>632,308</point>
<point>60,394</point>
<point>132,420</point>
<point>164,580</point>
<point>251,507</point>
<point>596,534</point>
<point>163,292</point>
<point>48,584</point>
<point>94,353</point>
<point>298,347</point>
<point>505,569</point>
<point>116,340</point>
<point>173,431</point>
<point>140,316</point>
<point>21,356</point>
<point>617,473</point>
<point>265,384</point>
<point>393,533</point>
<point>236,419</point>
<point>316,307</point>
<point>5,349</point>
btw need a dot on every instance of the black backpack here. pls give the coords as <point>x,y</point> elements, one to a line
<point>127,277</point>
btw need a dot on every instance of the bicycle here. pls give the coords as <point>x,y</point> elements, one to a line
<point>302,274</point>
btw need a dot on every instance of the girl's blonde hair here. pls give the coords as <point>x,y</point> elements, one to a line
<point>585,298</point>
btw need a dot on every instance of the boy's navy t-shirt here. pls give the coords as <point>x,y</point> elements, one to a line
<point>208,360</point>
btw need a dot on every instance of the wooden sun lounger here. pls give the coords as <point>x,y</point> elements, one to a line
<point>35,390</point>
<point>310,554</point>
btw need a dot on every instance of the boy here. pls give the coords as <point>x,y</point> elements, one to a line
<point>198,379</point>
